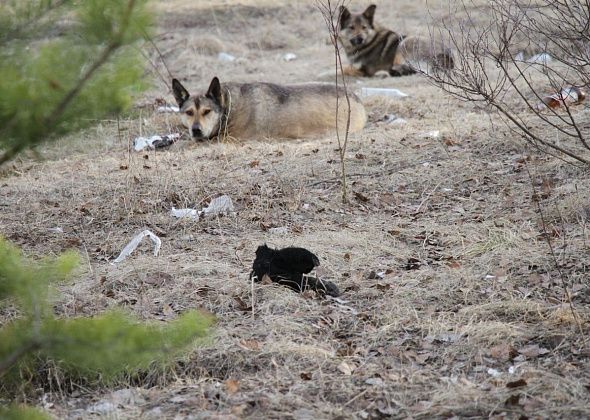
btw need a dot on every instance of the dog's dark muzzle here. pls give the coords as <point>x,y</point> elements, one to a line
<point>357,40</point>
<point>197,133</point>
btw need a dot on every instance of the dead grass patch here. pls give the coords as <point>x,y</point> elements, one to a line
<point>440,256</point>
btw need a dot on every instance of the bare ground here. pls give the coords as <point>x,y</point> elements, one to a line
<point>453,303</point>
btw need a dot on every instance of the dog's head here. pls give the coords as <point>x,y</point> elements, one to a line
<point>201,114</point>
<point>263,252</point>
<point>357,29</point>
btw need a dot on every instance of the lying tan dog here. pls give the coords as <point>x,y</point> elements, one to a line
<point>266,110</point>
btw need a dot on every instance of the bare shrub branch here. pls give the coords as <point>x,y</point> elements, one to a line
<point>331,13</point>
<point>530,62</point>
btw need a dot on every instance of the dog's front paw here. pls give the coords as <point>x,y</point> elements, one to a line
<point>382,74</point>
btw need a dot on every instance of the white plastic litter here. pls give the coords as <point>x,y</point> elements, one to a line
<point>571,95</point>
<point>219,205</point>
<point>392,119</point>
<point>225,57</point>
<point>542,58</point>
<point>188,213</point>
<point>389,118</point>
<point>130,247</point>
<point>289,57</point>
<point>434,134</point>
<point>154,142</point>
<point>390,92</point>
<point>374,381</point>
<point>167,108</point>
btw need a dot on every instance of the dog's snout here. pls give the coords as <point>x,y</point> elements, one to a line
<point>196,131</point>
<point>357,40</point>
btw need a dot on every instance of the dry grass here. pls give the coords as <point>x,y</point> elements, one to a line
<point>449,223</point>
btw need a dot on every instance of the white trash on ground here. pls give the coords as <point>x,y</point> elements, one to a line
<point>154,142</point>
<point>289,57</point>
<point>167,108</point>
<point>217,206</point>
<point>390,92</point>
<point>542,58</point>
<point>188,213</point>
<point>132,245</point>
<point>225,57</point>
<point>434,134</point>
<point>392,119</point>
<point>571,95</point>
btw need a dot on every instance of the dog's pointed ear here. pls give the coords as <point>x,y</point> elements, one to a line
<point>369,13</point>
<point>344,16</point>
<point>214,91</point>
<point>180,93</point>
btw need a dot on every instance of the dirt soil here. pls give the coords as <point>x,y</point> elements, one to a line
<point>453,303</point>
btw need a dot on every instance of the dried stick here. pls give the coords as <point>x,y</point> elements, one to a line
<point>331,14</point>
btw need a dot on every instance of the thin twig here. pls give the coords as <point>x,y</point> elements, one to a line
<point>428,197</point>
<point>329,15</point>
<point>380,173</point>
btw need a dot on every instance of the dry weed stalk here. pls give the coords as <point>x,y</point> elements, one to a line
<point>524,54</point>
<point>331,14</point>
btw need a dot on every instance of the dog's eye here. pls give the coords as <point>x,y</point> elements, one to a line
<point>351,27</point>
<point>364,27</point>
<point>190,113</point>
<point>205,112</point>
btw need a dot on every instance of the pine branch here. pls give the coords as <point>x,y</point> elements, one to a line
<point>11,360</point>
<point>52,120</point>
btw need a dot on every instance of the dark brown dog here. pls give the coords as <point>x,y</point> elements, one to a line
<point>371,48</point>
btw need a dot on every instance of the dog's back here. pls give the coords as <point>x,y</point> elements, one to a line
<point>289,111</point>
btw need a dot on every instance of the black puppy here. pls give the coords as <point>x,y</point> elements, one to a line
<point>288,267</point>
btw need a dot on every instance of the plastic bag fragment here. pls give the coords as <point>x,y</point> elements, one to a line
<point>130,247</point>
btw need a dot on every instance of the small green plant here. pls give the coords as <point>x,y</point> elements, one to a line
<point>15,412</point>
<point>63,65</point>
<point>98,348</point>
